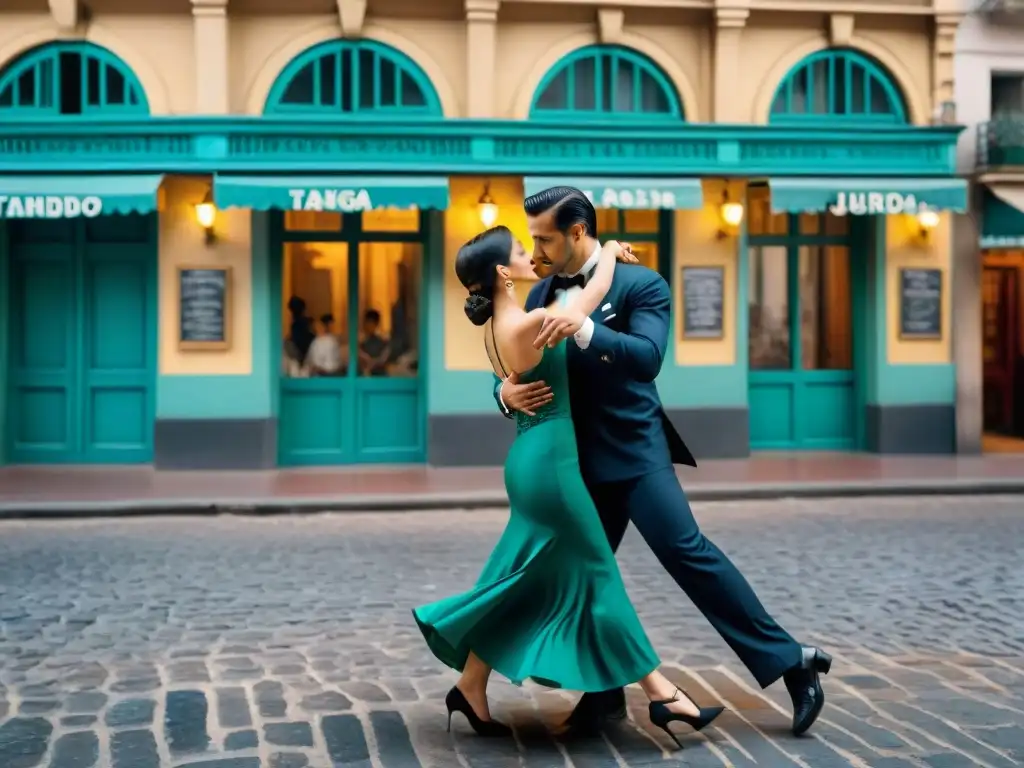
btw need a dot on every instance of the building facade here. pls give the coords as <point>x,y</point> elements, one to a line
<point>186,197</point>
<point>989,349</point>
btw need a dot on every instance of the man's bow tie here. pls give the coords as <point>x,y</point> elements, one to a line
<point>565,283</point>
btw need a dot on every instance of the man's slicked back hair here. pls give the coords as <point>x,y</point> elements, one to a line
<point>568,206</point>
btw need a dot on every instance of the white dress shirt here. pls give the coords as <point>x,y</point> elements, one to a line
<point>325,353</point>
<point>583,336</point>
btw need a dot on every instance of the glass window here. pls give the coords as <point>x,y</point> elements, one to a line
<point>607,221</point>
<point>826,333</point>
<point>315,333</point>
<point>389,296</point>
<point>391,220</point>
<point>312,221</point>
<point>768,305</point>
<point>641,221</point>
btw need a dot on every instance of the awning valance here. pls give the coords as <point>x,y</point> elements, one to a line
<point>626,192</point>
<point>70,196</point>
<point>341,194</point>
<point>867,196</point>
<point>1002,218</point>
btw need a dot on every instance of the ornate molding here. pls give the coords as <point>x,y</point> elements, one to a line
<point>351,16</point>
<point>610,22</point>
<point>482,10</point>
<point>840,29</point>
<point>65,13</point>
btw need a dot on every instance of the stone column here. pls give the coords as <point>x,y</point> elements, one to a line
<point>210,40</point>
<point>730,19</point>
<point>481,57</point>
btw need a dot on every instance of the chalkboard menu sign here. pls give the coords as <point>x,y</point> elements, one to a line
<point>703,300</point>
<point>204,299</point>
<point>920,303</point>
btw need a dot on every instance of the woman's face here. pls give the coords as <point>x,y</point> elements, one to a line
<point>519,264</point>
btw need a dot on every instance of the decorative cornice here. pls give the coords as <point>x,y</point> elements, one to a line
<point>482,10</point>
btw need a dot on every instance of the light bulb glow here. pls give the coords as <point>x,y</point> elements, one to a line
<point>206,213</point>
<point>732,213</point>
<point>488,214</point>
<point>928,219</point>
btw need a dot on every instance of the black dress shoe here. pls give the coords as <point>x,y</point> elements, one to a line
<point>594,711</point>
<point>804,688</point>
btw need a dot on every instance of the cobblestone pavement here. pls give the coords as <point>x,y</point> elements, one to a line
<point>287,642</point>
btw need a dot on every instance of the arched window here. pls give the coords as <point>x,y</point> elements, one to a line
<point>606,82</point>
<point>838,84</point>
<point>353,77</point>
<point>69,78</point>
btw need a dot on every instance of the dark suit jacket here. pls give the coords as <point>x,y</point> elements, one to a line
<point>621,428</point>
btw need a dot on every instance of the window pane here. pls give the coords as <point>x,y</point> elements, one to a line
<point>826,334</point>
<point>585,87</point>
<point>300,89</point>
<point>624,96</point>
<point>810,224</point>
<point>768,305</point>
<point>652,96</point>
<point>389,293</point>
<point>554,96</point>
<point>836,225</point>
<point>315,310</point>
<point>641,221</point>
<point>647,253</point>
<point>312,221</point>
<point>391,220</point>
<point>607,221</point>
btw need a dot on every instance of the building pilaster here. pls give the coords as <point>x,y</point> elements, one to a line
<point>481,57</point>
<point>210,40</point>
<point>730,19</point>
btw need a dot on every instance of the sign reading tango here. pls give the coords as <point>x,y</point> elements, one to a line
<point>49,206</point>
<point>871,203</point>
<point>638,198</point>
<point>340,200</point>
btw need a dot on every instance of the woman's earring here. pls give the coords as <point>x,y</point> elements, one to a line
<point>509,284</point>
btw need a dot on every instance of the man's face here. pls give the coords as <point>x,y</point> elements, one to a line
<point>552,250</point>
<point>370,327</point>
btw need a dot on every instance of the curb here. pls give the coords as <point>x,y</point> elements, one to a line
<point>489,499</point>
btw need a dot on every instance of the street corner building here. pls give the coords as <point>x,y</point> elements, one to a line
<point>227,233</point>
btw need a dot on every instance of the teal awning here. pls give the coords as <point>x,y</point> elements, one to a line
<point>626,192</point>
<point>868,196</point>
<point>62,197</point>
<point>341,194</point>
<point>1002,217</point>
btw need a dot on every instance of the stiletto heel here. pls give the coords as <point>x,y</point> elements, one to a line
<point>662,716</point>
<point>457,702</point>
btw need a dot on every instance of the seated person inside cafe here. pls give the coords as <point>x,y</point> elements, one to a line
<point>374,349</point>
<point>327,356</point>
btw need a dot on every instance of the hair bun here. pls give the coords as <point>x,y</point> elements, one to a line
<point>479,309</point>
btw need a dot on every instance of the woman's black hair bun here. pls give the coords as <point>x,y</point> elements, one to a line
<point>479,309</point>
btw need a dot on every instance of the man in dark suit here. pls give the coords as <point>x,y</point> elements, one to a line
<point>627,449</point>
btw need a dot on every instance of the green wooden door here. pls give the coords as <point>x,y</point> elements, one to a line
<point>802,306</point>
<point>82,345</point>
<point>355,394</point>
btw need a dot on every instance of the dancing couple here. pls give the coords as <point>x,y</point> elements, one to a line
<point>593,451</point>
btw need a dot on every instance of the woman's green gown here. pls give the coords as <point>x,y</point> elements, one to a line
<point>550,604</point>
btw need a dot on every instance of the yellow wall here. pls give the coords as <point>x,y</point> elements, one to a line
<point>904,248</point>
<point>524,42</point>
<point>697,244</point>
<point>463,341</point>
<point>182,243</point>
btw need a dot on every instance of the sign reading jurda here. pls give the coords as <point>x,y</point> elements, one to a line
<point>49,206</point>
<point>341,200</point>
<point>869,203</point>
<point>642,199</point>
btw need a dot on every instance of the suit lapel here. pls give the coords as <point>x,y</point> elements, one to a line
<point>545,292</point>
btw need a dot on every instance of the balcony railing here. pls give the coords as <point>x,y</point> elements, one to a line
<point>1001,142</point>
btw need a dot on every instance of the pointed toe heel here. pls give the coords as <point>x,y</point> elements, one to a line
<point>455,701</point>
<point>662,716</point>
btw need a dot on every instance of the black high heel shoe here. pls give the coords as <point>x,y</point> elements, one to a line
<point>456,702</point>
<point>661,715</point>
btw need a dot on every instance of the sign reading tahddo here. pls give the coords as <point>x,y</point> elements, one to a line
<point>49,206</point>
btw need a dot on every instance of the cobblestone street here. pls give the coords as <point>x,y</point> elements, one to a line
<point>284,642</point>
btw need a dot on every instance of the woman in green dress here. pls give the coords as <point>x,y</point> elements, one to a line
<point>550,604</point>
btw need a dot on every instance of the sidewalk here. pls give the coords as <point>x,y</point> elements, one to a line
<point>95,491</point>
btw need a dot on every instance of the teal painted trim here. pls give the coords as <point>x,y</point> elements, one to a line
<point>917,385</point>
<point>5,326</point>
<point>702,386</point>
<point>1002,224</point>
<point>40,71</point>
<point>266,365</point>
<point>522,148</point>
<point>342,194</point>
<point>57,197</point>
<point>212,397</point>
<point>367,77</point>
<point>623,193</point>
<point>444,392</point>
<point>462,392</point>
<point>838,84</point>
<point>860,255</point>
<point>743,303</point>
<point>866,196</point>
<point>651,93</point>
